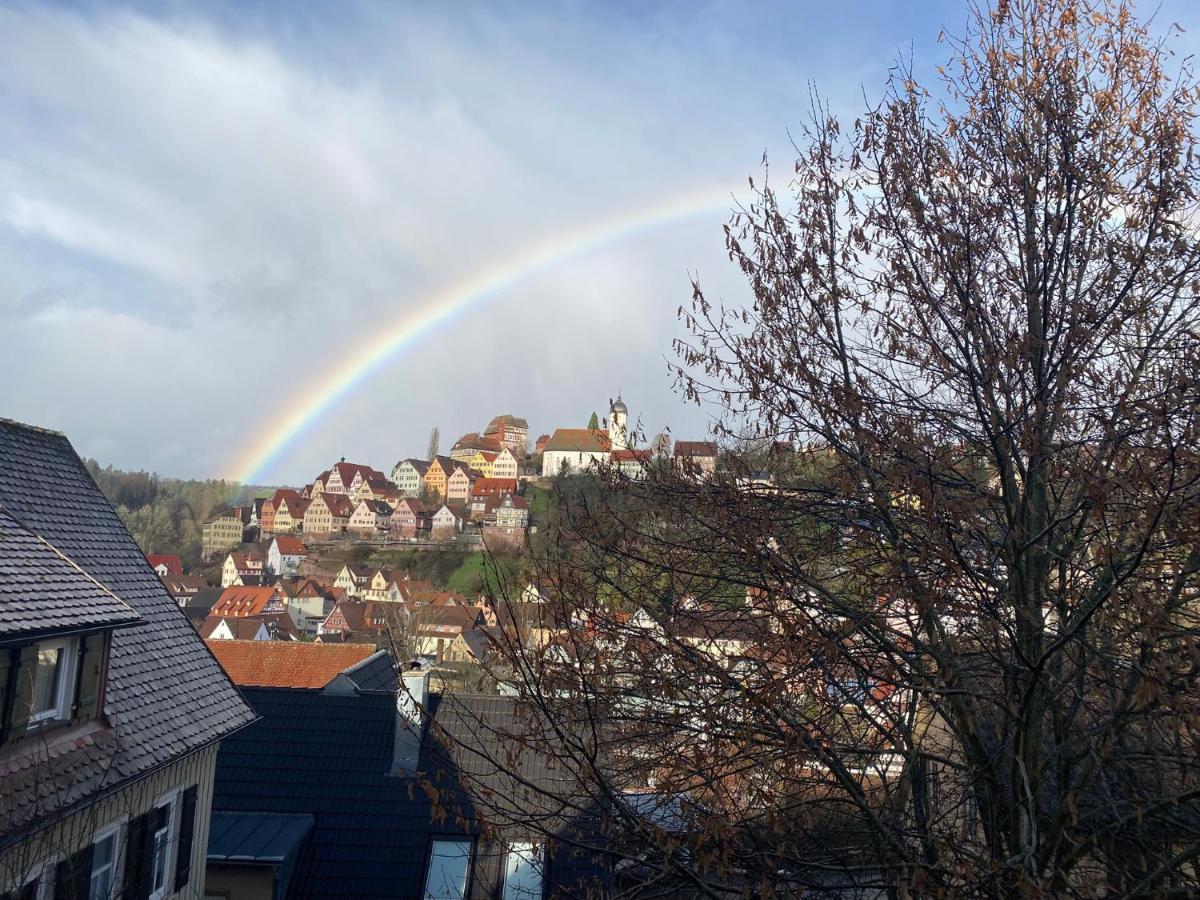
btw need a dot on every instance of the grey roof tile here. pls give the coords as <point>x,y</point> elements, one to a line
<point>43,591</point>
<point>166,694</point>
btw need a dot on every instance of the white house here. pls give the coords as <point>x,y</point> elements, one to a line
<point>241,569</point>
<point>370,518</point>
<point>284,555</point>
<point>504,465</point>
<point>512,512</point>
<point>445,523</point>
<point>577,449</point>
<point>407,476</point>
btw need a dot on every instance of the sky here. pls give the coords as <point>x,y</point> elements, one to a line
<point>206,209</point>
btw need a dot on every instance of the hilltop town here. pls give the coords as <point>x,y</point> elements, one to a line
<point>353,555</point>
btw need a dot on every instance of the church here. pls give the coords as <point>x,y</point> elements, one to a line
<point>575,449</point>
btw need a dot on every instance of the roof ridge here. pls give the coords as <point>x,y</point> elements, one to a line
<point>35,428</point>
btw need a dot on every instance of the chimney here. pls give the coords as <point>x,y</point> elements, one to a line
<point>411,701</point>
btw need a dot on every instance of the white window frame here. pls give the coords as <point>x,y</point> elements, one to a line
<point>449,839</point>
<point>66,682</point>
<point>171,800</point>
<point>40,875</point>
<point>115,830</point>
<point>537,856</point>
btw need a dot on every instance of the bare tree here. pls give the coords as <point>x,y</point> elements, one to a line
<point>950,647</point>
<point>435,440</point>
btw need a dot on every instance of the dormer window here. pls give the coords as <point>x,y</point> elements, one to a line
<point>53,681</point>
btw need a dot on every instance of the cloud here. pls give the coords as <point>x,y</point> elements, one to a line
<point>206,209</point>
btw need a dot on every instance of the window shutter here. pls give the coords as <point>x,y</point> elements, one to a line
<point>137,859</point>
<point>187,824</point>
<point>91,674</point>
<point>73,876</point>
<point>22,697</point>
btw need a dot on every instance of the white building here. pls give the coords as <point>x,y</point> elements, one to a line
<point>577,449</point>
<point>407,475</point>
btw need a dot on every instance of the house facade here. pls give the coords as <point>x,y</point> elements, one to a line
<point>352,579</point>
<point>284,556</point>
<point>445,524</point>
<point>433,484</point>
<point>408,475</point>
<point>410,518</point>
<point>370,519</point>
<point>572,450</point>
<point>328,514</point>
<point>468,445</point>
<point>511,512</point>
<point>97,641</point>
<point>510,431</point>
<point>289,515</point>
<point>222,531</point>
<point>696,458</point>
<point>458,485</point>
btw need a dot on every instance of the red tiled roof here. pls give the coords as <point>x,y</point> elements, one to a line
<point>693,449</point>
<point>339,505</point>
<point>243,601</point>
<point>475,442</point>
<point>585,440</point>
<point>284,494</point>
<point>630,455</point>
<point>485,486</point>
<point>507,419</point>
<point>290,545</point>
<point>286,664</point>
<point>173,563</point>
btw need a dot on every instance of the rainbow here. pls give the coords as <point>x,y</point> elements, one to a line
<point>331,386</point>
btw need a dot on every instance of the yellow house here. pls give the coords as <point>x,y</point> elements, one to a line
<point>481,462</point>
<point>433,484</point>
<point>289,517</point>
<point>328,514</point>
<point>220,533</point>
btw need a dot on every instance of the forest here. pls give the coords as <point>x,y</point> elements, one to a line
<point>165,515</point>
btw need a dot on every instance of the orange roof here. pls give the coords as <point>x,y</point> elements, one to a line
<point>290,545</point>
<point>243,601</point>
<point>485,486</point>
<point>285,664</point>
<point>585,440</point>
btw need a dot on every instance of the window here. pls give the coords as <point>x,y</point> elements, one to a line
<point>105,848</point>
<point>449,863</point>
<point>523,872</point>
<point>53,679</point>
<point>160,847</point>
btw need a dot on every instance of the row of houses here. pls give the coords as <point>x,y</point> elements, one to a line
<point>363,606</point>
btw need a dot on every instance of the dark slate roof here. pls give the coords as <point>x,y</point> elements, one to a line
<point>255,837</point>
<point>166,695</point>
<point>330,755</point>
<point>375,673</point>
<point>43,592</point>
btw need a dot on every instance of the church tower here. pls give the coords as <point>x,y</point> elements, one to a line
<point>618,433</point>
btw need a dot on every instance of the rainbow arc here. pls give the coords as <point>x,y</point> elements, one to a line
<point>309,406</point>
